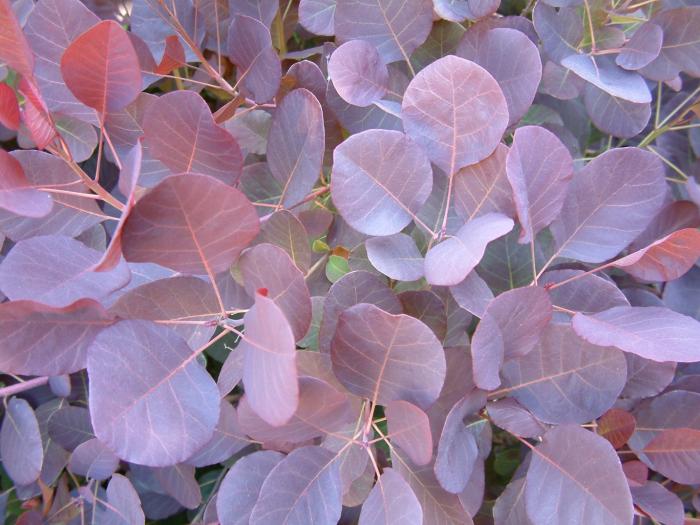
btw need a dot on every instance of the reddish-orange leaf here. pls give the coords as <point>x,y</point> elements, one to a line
<point>666,259</point>
<point>174,56</point>
<point>617,426</point>
<point>14,49</point>
<point>101,68</point>
<point>9,109</point>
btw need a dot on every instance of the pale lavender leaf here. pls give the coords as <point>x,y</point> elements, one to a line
<point>472,294</point>
<point>654,333</point>
<point>605,75</point>
<point>675,453</point>
<point>449,262</point>
<point>226,441</point>
<point>613,115</point>
<point>20,443</point>
<point>124,505</point>
<point>358,73</point>
<point>263,10</point>
<point>269,368</point>
<point>511,416</point>
<point>396,256</point>
<point>318,16</point>
<point>303,488</point>
<point>561,31</point>
<point>643,47</point>
<point>57,271</point>
<point>93,460</point>
<point>240,488</point>
<point>647,378</point>
<point>178,482</point>
<point>169,383</point>
<point>659,503</point>
<point>391,502</point>
<point>586,293</point>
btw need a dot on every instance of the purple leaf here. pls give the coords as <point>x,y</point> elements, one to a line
<point>681,295</point>
<point>295,145</point>
<point>269,369</point>
<point>642,48</point>
<point>512,59</point>
<point>263,10</point>
<point>250,49</point>
<point>318,16</point>
<point>302,488</point>
<point>439,506</point>
<point>101,68</point>
<point>185,298</point>
<point>457,450</point>
<point>675,453</point>
<point>412,359</point>
<point>93,460</point>
<point>321,410</point>
<point>587,294</point>
<point>57,271</point>
<point>180,131</point>
<point>226,441</point>
<point>396,29</point>
<point>190,223</point>
<point>584,495</point>
<point>564,379</point>
<point>178,481</point>
<point>511,416</point>
<point>409,428</point>
<point>455,134</point>
<point>283,229</point>
<point>561,31</point>
<point>510,327</point>
<point>664,260</point>
<point>69,215</point>
<point>169,382</point>
<point>351,289</point>
<point>646,378</point>
<point>26,326</point>
<point>396,256</point>
<point>539,168</point>
<point>560,82</point>
<point>618,117</point>
<point>20,443</point>
<point>602,214</point>
<point>285,286</point>
<point>391,502</point>
<point>430,308</point>
<point>124,505</point>
<point>17,194</point>
<point>449,262</point>
<point>654,333</point>
<point>660,503</point>
<point>70,426</point>
<point>679,51</point>
<point>240,488</point>
<point>466,9</point>
<point>358,73</point>
<point>472,294</point>
<point>483,187</point>
<point>380,181</point>
<point>510,505</point>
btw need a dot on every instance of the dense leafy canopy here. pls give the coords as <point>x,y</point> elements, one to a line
<point>374,262</point>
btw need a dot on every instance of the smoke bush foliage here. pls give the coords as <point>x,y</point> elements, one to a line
<point>350,261</point>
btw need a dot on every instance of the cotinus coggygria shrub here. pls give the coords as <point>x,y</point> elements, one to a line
<point>373,262</point>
